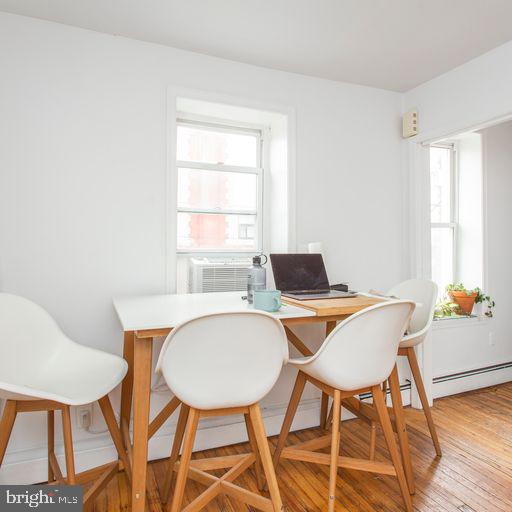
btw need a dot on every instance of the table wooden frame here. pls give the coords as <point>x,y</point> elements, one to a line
<point>136,387</point>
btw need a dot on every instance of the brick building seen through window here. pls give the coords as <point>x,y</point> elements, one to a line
<point>219,188</point>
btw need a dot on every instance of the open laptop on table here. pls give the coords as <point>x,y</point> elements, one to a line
<point>303,277</point>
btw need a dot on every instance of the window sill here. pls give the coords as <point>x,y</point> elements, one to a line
<point>216,252</point>
<point>459,321</point>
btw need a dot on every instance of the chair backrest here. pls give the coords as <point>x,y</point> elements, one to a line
<point>362,350</point>
<point>224,360</point>
<point>424,293</point>
<point>29,336</point>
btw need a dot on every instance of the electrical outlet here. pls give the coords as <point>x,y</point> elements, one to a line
<point>84,416</point>
<point>491,339</point>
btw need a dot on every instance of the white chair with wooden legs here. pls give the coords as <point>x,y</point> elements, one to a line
<point>41,369</point>
<point>424,293</point>
<point>355,358</point>
<point>218,365</point>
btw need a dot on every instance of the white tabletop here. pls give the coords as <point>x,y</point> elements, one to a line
<point>167,311</point>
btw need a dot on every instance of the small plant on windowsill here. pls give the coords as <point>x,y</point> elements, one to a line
<point>446,309</point>
<point>462,296</point>
<point>459,301</point>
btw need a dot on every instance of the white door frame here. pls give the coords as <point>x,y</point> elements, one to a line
<point>419,247</point>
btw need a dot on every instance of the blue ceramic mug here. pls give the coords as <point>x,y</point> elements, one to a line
<point>267,300</point>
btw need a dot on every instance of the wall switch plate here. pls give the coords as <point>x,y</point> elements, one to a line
<point>410,124</point>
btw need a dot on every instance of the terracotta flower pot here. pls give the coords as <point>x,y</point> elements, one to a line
<point>464,301</point>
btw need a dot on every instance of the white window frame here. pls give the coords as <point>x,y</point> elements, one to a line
<point>227,126</point>
<point>453,224</point>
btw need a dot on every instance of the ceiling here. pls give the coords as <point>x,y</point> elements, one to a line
<point>391,44</point>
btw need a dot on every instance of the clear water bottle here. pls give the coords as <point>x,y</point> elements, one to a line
<point>257,278</point>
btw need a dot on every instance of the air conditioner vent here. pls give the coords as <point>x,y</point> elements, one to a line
<point>218,275</point>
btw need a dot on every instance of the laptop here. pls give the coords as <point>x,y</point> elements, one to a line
<point>303,277</point>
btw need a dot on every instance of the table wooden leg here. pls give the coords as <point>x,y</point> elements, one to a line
<point>127,386</point>
<point>304,350</point>
<point>143,348</point>
<point>297,342</point>
<point>324,406</point>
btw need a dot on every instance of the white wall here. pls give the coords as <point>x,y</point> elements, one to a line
<point>466,96</point>
<point>473,94</point>
<point>83,174</point>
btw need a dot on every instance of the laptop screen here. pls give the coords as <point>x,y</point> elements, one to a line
<point>293,272</point>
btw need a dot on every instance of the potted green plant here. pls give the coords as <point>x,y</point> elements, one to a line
<point>466,298</point>
<point>463,297</point>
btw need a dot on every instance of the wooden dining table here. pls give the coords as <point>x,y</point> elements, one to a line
<point>144,318</point>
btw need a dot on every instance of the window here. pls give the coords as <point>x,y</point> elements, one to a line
<point>220,187</point>
<point>443,214</point>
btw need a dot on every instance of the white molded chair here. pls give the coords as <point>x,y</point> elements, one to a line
<point>41,369</point>
<point>217,365</point>
<point>424,293</point>
<point>358,355</point>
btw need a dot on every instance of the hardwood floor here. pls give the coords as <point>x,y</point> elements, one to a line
<point>474,474</point>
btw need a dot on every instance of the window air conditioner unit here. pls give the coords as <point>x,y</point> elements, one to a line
<point>218,274</point>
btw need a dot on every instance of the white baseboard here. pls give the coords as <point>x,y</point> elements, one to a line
<point>470,382</point>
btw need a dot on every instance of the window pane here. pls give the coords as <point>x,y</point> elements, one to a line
<point>206,231</point>
<point>442,257</point>
<point>201,145</point>
<point>440,184</point>
<point>219,190</point>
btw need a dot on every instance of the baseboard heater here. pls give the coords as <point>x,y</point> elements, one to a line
<point>403,387</point>
<point>470,373</point>
<point>452,376</point>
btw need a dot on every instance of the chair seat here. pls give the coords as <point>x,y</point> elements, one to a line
<point>411,340</point>
<point>75,376</point>
<point>323,374</point>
